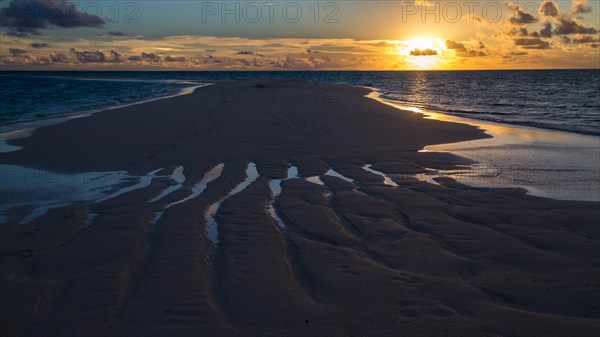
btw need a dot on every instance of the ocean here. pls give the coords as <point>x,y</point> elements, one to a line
<point>565,100</point>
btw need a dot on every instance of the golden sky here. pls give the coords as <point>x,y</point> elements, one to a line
<point>301,35</point>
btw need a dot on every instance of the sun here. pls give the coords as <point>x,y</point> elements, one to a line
<point>423,53</point>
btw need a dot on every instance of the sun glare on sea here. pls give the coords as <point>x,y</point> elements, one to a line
<point>424,53</point>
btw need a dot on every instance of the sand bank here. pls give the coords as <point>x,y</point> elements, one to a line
<point>367,249</point>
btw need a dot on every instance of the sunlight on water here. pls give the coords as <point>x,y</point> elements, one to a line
<point>199,187</point>
<point>178,177</point>
<point>333,173</point>
<point>43,190</point>
<point>144,181</point>
<point>211,212</point>
<point>553,164</point>
<point>315,180</point>
<point>386,180</point>
<point>275,185</point>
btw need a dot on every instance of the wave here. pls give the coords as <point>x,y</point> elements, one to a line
<point>554,122</point>
<point>62,113</point>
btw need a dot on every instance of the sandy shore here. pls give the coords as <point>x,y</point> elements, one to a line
<point>353,256</point>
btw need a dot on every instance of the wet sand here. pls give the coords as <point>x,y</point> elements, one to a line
<point>362,248</point>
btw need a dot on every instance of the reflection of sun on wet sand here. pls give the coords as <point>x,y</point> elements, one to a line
<point>323,225</point>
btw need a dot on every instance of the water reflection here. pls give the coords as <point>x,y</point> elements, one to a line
<point>546,163</point>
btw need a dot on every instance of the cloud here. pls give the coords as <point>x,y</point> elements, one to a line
<point>471,53</point>
<point>585,39</point>
<point>149,57</point>
<point>116,57</point>
<point>381,44</point>
<point>549,8</point>
<point>88,55</point>
<point>60,58</point>
<point>462,51</point>
<point>17,51</point>
<point>532,43</point>
<point>96,56</point>
<point>39,45</point>
<point>423,52</point>
<point>116,33</point>
<point>26,17</point>
<point>547,30</point>
<point>581,7</point>
<point>288,62</point>
<point>520,17</point>
<point>190,52</point>
<point>175,59</point>
<point>522,31</point>
<point>566,26</point>
<point>454,45</point>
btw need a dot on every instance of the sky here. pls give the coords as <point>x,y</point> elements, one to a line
<point>299,35</point>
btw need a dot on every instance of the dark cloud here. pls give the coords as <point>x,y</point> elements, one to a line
<point>423,52</point>
<point>566,26</point>
<point>174,59</point>
<point>42,60</point>
<point>39,45</point>
<point>581,7</point>
<point>26,17</point>
<point>87,56</point>
<point>455,45</point>
<point>547,30</point>
<point>462,51</point>
<point>60,58</point>
<point>116,33</point>
<point>96,56</point>
<point>585,39</point>
<point>471,53</point>
<point>116,57</point>
<point>549,8</point>
<point>17,51</point>
<point>532,43</point>
<point>522,31</point>
<point>150,57</point>
<point>520,17</point>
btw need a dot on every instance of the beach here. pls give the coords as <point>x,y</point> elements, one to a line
<point>285,208</point>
